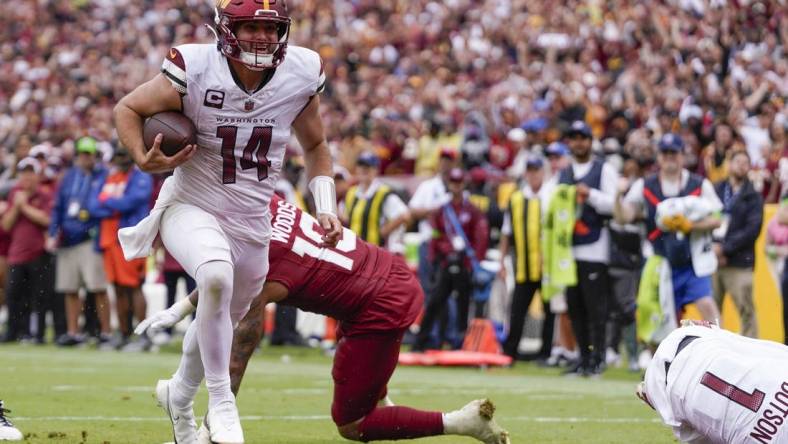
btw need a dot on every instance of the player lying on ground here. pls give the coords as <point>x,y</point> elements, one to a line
<point>375,297</point>
<point>714,386</point>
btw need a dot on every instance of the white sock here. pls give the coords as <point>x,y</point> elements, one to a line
<point>186,380</point>
<point>215,328</point>
<point>451,423</point>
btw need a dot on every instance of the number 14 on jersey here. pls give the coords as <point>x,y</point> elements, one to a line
<point>254,154</point>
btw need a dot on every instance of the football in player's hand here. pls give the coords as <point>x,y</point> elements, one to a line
<point>177,130</point>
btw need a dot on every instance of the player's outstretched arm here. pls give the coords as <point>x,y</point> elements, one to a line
<point>319,169</point>
<point>154,96</point>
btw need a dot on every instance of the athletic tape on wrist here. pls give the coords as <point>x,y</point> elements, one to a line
<point>325,195</point>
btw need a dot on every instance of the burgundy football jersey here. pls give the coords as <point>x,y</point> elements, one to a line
<point>338,282</point>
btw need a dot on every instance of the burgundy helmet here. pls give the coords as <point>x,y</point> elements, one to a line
<point>229,13</point>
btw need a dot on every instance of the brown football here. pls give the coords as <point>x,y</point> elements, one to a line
<point>177,131</point>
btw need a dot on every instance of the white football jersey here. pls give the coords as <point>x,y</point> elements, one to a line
<point>721,388</point>
<point>241,137</point>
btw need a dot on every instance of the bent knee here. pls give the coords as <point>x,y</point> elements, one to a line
<point>215,278</point>
<point>350,431</point>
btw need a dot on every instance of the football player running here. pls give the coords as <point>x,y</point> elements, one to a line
<point>375,297</point>
<point>244,93</point>
<point>714,386</point>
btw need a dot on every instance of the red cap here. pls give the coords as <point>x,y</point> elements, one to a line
<point>449,152</point>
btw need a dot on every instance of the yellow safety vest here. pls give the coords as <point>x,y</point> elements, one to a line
<point>364,216</point>
<point>299,201</point>
<point>526,217</point>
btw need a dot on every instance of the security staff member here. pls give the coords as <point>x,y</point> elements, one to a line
<point>522,230</point>
<point>372,210</point>
<point>596,184</point>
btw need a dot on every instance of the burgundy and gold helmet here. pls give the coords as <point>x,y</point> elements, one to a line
<point>229,13</point>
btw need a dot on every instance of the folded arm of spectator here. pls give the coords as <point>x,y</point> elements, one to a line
<point>137,193</point>
<point>95,206</point>
<point>36,215</point>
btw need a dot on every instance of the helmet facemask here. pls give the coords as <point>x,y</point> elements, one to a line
<point>256,55</point>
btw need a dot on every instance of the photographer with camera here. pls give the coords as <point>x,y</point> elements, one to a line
<point>453,266</point>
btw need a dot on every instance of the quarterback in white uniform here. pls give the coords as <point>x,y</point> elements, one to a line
<point>243,93</point>
<point>714,386</point>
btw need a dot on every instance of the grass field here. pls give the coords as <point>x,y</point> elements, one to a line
<point>86,396</point>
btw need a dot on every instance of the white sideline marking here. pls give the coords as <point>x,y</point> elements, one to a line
<point>542,419</point>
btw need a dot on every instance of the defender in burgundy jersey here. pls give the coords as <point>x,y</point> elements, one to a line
<point>375,297</point>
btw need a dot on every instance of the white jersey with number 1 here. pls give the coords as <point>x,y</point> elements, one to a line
<point>721,388</point>
<point>241,136</point>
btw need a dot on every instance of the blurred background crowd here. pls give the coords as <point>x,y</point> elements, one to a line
<point>505,91</point>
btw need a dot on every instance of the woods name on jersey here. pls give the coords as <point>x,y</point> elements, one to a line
<point>283,222</point>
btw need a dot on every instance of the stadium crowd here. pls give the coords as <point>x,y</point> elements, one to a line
<point>433,99</point>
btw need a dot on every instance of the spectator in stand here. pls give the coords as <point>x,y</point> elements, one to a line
<point>373,210</point>
<point>742,218</point>
<point>121,200</point>
<point>433,145</point>
<point>716,156</point>
<point>30,274</point>
<point>522,152</point>
<point>73,236</point>
<point>453,267</point>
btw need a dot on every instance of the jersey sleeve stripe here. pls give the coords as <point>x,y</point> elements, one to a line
<point>177,83</point>
<point>175,70</point>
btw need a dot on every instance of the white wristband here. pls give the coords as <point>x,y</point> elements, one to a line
<point>325,195</point>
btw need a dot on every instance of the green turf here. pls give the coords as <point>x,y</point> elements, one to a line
<point>59,396</point>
